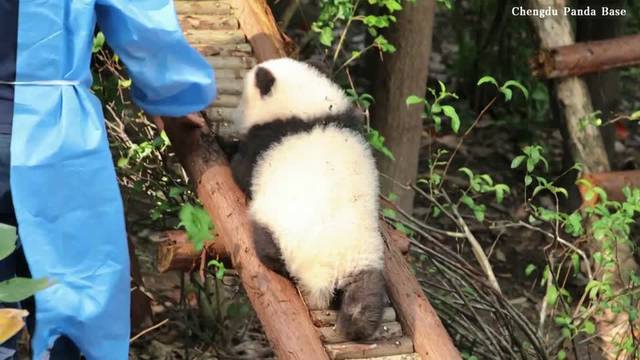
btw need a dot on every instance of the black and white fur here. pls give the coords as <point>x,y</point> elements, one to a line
<point>313,188</point>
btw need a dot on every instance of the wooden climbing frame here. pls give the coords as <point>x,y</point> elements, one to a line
<point>234,35</point>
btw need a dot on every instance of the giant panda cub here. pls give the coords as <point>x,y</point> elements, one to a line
<point>313,188</point>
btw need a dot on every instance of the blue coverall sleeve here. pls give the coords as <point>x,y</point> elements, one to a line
<point>170,77</point>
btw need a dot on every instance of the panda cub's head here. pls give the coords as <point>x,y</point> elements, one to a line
<point>284,88</point>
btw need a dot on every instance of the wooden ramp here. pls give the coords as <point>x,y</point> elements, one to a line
<point>234,35</point>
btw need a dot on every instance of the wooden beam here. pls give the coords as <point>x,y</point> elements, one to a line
<point>283,315</point>
<point>588,57</point>
<point>611,182</point>
<point>176,252</point>
<point>353,350</point>
<point>419,320</point>
<point>259,26</point>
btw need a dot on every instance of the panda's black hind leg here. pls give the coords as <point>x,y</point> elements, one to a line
<point>362,305</point>
<point>267,250</point>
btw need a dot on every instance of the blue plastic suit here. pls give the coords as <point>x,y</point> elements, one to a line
<point>65,193</point>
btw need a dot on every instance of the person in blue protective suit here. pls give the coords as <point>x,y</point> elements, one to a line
<point>57,179</point>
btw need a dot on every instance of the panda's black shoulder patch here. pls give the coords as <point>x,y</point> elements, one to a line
<point>261,137</point>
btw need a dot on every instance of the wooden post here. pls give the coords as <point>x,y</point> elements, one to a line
<point>588,149</point>
<point>259,26</point>
<point>283,315</point>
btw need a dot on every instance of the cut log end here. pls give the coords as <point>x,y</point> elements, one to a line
<point>176,252</point>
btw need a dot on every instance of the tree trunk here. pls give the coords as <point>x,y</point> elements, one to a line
<point>400,75</point>
<point>586,145</point>
<point>604,87</point>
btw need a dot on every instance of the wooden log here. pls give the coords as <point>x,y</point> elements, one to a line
<point>236,74</point>
<point>587,57</point>
<point>210,7</point>
<point>176,252</point>
<point>226,101</point>
<point>323,318</point>
<point>259,26</point>
<point>229,87</point>
<point>231,62</point>
<point>208,22</point>
<point>219,114</point>
<point>419,320</point>
<point>399,239</point>
<point>214,37</point>
<point>611,182</point>
<point>413,356</point>
<point>242,49</point>
<point>387,331</point>
<point>352,350</point>
<point>284,317</point>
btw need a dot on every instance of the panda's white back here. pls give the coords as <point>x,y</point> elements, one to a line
<point>317,192</point>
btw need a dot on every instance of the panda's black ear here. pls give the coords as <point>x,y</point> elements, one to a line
<point>264,80</point>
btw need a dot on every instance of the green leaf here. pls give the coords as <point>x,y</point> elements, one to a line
<point>500,190</point>
<point>326,36</point>
<point>123,162</point>
<point>220,269</point>
<point>517,161</point>
<point>19,288</point>
<point>575,260</point>
<point>517,85</point>
<point>562,191</point>
<point>552,294</point>
<point>8,236</point>
<point>507,93</point>
<point>537,190</point>
<point>487,79</point>
<point>377,142</point>
<point>589,327</point>
<point>197,223</point>
<point>468,172</point>
<point>529,269</point>
<point>479,212</point>
<point>451,113</point>
<point>124,84</point>
<point>635,116</point>
<point>390,213</point>
<point>562,355</point>
<point>98,42</point>
<point>527,180</point>
<point>413,100</point>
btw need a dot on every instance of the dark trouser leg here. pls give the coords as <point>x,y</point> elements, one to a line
<point>8,266</point>
<point>16,263</point>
